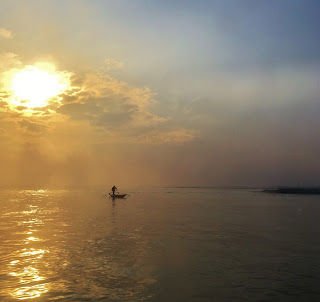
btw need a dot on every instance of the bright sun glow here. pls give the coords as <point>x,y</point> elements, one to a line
<point>33,87</point>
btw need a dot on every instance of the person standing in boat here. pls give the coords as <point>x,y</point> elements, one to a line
<point>114,189</point>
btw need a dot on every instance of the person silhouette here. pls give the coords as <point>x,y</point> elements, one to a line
<point>114,189</point>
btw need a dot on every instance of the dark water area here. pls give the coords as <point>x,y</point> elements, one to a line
<point>158,244</point>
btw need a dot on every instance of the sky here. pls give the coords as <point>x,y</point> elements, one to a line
<point>168,93</point>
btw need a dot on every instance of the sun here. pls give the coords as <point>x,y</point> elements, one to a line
<point>32,87</point>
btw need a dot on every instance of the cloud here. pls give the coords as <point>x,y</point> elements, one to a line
<point>9,60</point>
<point>170,136</point>
<point>9,64</point>
<point>3,103</point>
<point>113,110</point>
<point>31,127</point>
<point>6,33</point>
<point>113,64</point>
<point>118,111</point>
<point>80,111</point>
<point>90,128</point>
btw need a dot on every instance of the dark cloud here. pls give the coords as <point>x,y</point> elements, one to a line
<point>3,104</point>
<point>21,108</point>
<point>114,119</point>
<point>80,111</point>
<point>68,98</point>
<point>31,127</point>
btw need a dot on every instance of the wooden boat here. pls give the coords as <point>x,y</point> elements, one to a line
<point>117,195</point>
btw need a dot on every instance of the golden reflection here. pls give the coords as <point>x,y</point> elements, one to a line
<point>27,272</point>
<point>28,232</point>
<point>29,212</point>
<point>33,252</point>
<point>27,264</point>
<point>30,292</point>
<point>39,192</point>
<point>32,239</point>
<point>34,221</point>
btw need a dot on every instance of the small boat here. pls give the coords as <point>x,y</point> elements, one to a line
<point>117,195</point>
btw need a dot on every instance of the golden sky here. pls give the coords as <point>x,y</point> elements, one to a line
<point>61,126</point>
<point>103,92</point>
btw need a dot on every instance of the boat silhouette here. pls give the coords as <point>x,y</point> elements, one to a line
<point>117,195</point>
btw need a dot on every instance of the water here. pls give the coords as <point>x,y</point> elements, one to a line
<point>158,244</point>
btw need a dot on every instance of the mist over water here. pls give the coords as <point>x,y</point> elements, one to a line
<point>158,244</point>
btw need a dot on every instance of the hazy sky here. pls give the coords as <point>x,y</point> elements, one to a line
<point>212,93</point>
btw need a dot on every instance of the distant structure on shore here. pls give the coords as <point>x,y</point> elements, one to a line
<point>294,190</point>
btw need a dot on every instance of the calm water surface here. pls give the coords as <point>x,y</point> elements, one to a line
<point>158,244</point>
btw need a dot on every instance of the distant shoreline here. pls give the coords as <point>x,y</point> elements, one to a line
<point>294,190</point>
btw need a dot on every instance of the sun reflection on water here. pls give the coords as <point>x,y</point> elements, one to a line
<point>30,292</point>
<point>26,264</point>
<point>39,192</point>
<point>33,252</point>
<point>34,221</point>
<point>32,239</point>
<point>28,273</point>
